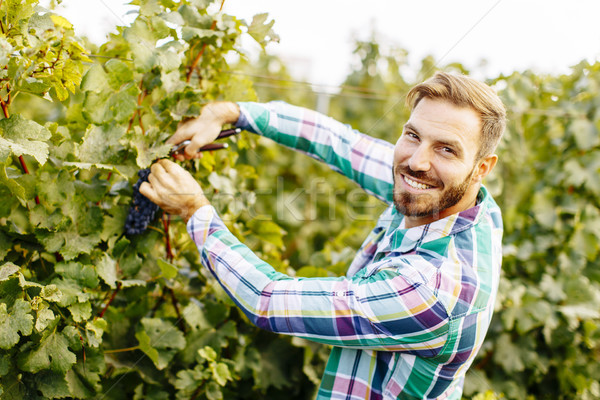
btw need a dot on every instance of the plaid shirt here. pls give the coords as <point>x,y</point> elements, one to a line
<point>412,311</point>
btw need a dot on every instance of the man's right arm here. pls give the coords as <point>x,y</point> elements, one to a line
<point>361,158</point>
<point>364,159</point>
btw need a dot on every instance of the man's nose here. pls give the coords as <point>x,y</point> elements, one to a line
<point>420,159</point>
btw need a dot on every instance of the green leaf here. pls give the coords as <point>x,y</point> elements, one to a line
<point>51,353</point>
<point>107,270</point>
<point>261,30</point>
<point>208,353</point>
<point>189,380</point>
<point>189,33</point>
<point>585,133</point>
<point>194,316</point>
<point>18,320</point>
<point>221,373</point>
<point>169,271</point>
<point>148,150</point>
<point>85,376</point>
<point>119,73</point>
<point>6,244</point>
<point>94,331</point>
<point>95,79</point>
<point>145,344</point>
<point>7,269</point>
<point>51,293</point>
<point>15,188</point>
<point>69,243</point>
<point>44,317</point>
<point>101,144</point>
<point>81,311</point>
<point>213,391</point>
<point>83,274</point>
<point>24,137</point>
<point>4,364</point>
<point>160,340</point>
<point>52,385</point>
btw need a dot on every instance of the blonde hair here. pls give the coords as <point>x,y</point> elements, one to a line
<point>463,91</point>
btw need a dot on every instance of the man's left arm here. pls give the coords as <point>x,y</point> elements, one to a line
<point>382,311</point>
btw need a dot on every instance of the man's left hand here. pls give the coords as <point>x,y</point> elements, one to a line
<point>173,189</point>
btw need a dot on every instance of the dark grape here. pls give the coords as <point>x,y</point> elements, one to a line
<point>142,211</point>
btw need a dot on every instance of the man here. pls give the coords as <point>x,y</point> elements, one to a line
<point>412,311</point>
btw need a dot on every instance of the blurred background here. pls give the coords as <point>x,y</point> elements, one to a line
<point>317,37</point>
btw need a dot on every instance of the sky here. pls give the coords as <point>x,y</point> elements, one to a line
<point>317,36</point>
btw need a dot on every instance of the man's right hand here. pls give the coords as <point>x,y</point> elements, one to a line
<point>205,128</point>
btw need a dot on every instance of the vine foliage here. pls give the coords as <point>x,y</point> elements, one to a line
<point>86,310</point>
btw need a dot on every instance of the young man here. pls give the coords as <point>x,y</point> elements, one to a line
<point>411,313</point>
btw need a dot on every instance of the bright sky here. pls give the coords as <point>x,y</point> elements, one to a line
<point>316,36</point>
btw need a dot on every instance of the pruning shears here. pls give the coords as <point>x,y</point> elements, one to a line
<point>177,149</point>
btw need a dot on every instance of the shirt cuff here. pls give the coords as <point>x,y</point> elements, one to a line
<point>201,224</point>
<point>243,121</point>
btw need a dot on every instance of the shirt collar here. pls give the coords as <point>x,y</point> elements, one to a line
<point>404,240</point>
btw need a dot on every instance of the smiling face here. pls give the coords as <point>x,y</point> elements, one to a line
<point>436,173</point>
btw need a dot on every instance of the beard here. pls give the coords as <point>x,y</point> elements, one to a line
<point>424,205</point>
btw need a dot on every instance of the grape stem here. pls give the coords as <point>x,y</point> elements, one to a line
<point>110,300</point>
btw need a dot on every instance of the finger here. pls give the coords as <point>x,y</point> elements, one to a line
<point>147,190</point>
<point>153,181</point>
<point>169,165</point>
<point>191,150</point>
<point>182,133</point>
<point>157,169</point>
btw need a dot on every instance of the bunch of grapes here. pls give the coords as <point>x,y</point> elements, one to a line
<point>142,210</point>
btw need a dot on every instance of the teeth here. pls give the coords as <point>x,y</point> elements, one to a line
<point>416,185</point>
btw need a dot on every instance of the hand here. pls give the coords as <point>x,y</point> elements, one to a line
<point>173,189</point>
<point>205,128</point>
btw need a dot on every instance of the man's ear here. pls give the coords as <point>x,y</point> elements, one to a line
<point>485,166</point>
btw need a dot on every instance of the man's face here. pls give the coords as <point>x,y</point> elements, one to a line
<point>434,161</point>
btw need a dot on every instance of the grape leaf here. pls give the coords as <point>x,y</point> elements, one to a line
<point>85,275</point>
<point>106,268</point>
<point>15,188</point>
<point>52,353</point>
<point>69,243</point>
<point>95,79</point>
<point>101,143</point>
<point>84,378</point>
<point>44,317</point>
<point>81,311</point>
<point>18,320</point>
<point>261,30</point>
<point>94,331</point>
<point>4,364</point>
<point>23,136</point>
<point>7,269</point>
<point>160,340</point>
<point>52,385</point>
<point>169,271</point>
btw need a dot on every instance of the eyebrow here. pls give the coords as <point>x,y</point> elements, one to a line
<point>446,142</point>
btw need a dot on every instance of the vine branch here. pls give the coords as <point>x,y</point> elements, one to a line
<point>201,52</point>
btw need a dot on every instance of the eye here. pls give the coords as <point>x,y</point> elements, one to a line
<point>411,135</point>
<point>449,150</point>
